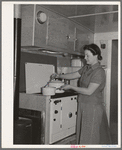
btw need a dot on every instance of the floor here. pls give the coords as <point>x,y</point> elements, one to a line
<point>114,133</point>
<point>72,139</point>
<point>69,140</point>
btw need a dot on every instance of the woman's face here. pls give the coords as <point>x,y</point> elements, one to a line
<point>90,58</point>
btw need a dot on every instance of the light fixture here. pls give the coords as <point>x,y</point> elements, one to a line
<point>41,17</point>
<point>103,44</point>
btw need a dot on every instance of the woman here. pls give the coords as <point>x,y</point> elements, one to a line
<point>92,127</point>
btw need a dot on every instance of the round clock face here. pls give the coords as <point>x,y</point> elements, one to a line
<point>41,17</point>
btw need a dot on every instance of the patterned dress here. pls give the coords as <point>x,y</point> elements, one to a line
<point>92,125</point>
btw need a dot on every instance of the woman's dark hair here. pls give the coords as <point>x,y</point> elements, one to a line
<point>95,50</point>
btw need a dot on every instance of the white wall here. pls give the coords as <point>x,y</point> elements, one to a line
<point>107,39</point>
<point>106,53</point>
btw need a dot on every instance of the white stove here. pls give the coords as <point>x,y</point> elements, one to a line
<point>63,112</point>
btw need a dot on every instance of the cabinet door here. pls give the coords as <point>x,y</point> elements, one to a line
<point>55,116</point>
<point>71,37</point>
<point>33,33</point>
<point>27,25</point>
<point>40,30</point>
<point>57,33</point>
<point>81,40</point>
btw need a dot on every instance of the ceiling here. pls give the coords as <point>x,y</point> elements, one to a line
<point>86,15</point>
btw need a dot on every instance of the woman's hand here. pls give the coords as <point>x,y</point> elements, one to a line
<point>65,87</point>
<point>54,76</point>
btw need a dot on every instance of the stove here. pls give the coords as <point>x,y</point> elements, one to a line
<point>63,113</point>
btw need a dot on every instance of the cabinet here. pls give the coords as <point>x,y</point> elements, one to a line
<point>82,38</point>
<point>57,33</point>
<point>40,30</point>
<point>71,37</point>
<point>27,31</point>
<point>50,35</point>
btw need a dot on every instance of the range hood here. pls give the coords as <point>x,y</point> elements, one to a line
<point>43,50</point>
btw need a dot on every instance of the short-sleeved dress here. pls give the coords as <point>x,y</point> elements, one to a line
<point>92,125</point>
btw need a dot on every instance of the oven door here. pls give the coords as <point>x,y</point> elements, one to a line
<point>69,111</point>
<point>35,116</point>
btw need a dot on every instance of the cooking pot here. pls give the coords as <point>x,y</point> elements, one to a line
<point>57,84</point>
<point>48,90</point>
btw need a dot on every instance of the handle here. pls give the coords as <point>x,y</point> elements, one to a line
<point>68,37</point>
<point>57,101</point>
<point>70,115</point>
<point>48,83</point>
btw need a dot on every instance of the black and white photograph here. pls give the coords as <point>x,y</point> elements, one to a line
<point>61,79</point>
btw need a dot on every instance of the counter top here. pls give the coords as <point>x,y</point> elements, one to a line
<point>57,95</point>
<point>65,94</point>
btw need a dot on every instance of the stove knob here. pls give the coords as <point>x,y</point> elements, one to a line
<point>56,111</point>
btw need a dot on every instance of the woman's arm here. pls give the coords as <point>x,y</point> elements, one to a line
<point>68,76</point>
<point>86,91</point>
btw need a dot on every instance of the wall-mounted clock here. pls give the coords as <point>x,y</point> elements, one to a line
<point>41,17</point>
